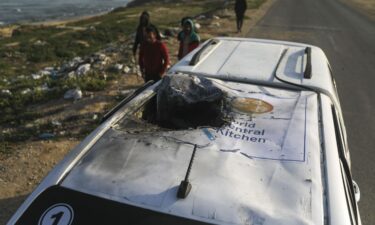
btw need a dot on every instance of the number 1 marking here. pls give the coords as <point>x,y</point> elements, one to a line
<point>58,214</point>
<point>57,218</point>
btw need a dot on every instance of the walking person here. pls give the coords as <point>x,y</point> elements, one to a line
<point>240,7</point>
<point>153,56</point>
<point>144,21</point>
<point>182,25</point>
<point>188,38</point>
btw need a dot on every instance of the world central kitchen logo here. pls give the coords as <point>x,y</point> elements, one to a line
<point>245,131</point>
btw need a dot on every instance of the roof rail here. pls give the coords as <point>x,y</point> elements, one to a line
<point>307,74</point>
<point>196,57</point>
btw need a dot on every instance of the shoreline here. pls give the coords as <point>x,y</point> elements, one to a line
<point>64,20</point>
<point>6,29</point>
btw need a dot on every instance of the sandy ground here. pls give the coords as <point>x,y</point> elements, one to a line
<point>6,31</point>
<point>23,170</point>
<point>367,7</point>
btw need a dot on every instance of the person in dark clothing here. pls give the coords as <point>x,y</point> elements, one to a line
<point>188,38</point>
<point>144,21</point>
<point>153,56</point>
<point>240,7</point>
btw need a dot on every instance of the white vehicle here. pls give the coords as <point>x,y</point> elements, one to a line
<point>270,149</point>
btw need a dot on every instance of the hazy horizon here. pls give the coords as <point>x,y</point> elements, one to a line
<point>13,11</point>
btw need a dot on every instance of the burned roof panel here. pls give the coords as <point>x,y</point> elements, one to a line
<point>262,166</point>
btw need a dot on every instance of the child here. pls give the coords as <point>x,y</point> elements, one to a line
<point>153,56</point>
<point>144,21</point>
<point>188,39</point>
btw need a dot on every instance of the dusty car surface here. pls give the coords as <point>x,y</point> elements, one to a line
<point>241,131</point>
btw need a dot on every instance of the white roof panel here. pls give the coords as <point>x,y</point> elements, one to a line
<point>249,60</point>
<point>241,59</point>
<point>246,61</point>
<point>215,60</point>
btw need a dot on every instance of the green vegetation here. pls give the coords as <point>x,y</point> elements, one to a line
<point>34,47</point>
<point>31,48</point>
<point>5,148</point>
<point>254,4</point>
<point>13,106</point>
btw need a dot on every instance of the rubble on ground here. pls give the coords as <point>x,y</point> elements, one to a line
<point>40,43</point>
<point>6,92</point>
<point>56,123</point>
<point>73,94</point>
<point>111,58</point>
<point>215,25</point>
<point>83,69</point>
<point>118,67</point>
<point>26,91</point>
<point>126,69</point>
<point>36,76</point>
<point>43,88</point>
<point>46,136</point>
<point>201,17</point>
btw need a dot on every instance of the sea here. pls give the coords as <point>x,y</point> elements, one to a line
<point>19,11</point>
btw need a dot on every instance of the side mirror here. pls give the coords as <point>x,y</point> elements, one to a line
<point>357,192</point>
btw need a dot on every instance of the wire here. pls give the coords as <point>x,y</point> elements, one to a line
<point>185,142</point>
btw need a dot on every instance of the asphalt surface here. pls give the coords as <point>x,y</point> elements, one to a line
<point>348,39</point>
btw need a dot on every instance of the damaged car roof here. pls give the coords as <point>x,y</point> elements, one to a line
<point>262,167</point>
<point>240,131</point>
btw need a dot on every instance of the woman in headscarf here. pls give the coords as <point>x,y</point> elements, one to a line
<point>144,21</point>
<point>188,39</point>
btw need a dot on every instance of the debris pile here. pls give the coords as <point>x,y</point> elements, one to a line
<point>186,101</point>
<point>73,94</point>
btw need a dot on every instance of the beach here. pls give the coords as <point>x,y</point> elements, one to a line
<point>21,11</point>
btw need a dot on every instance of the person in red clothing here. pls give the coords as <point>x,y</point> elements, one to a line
<point>188,38</point>
<point>144,21</point>
<point>153,56</point>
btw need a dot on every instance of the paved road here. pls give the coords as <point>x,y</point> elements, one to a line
<point>348,39</point>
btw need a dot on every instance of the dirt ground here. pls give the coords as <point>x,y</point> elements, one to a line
<point>366,7</point>
<point>22,171</point>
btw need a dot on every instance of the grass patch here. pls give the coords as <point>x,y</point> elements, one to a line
<point>39,46</point>
<point>5,148</point>
<point>254,4</point>
<point>31,48</point>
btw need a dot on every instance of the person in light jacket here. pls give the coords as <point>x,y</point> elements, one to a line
<point>188,38</point>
